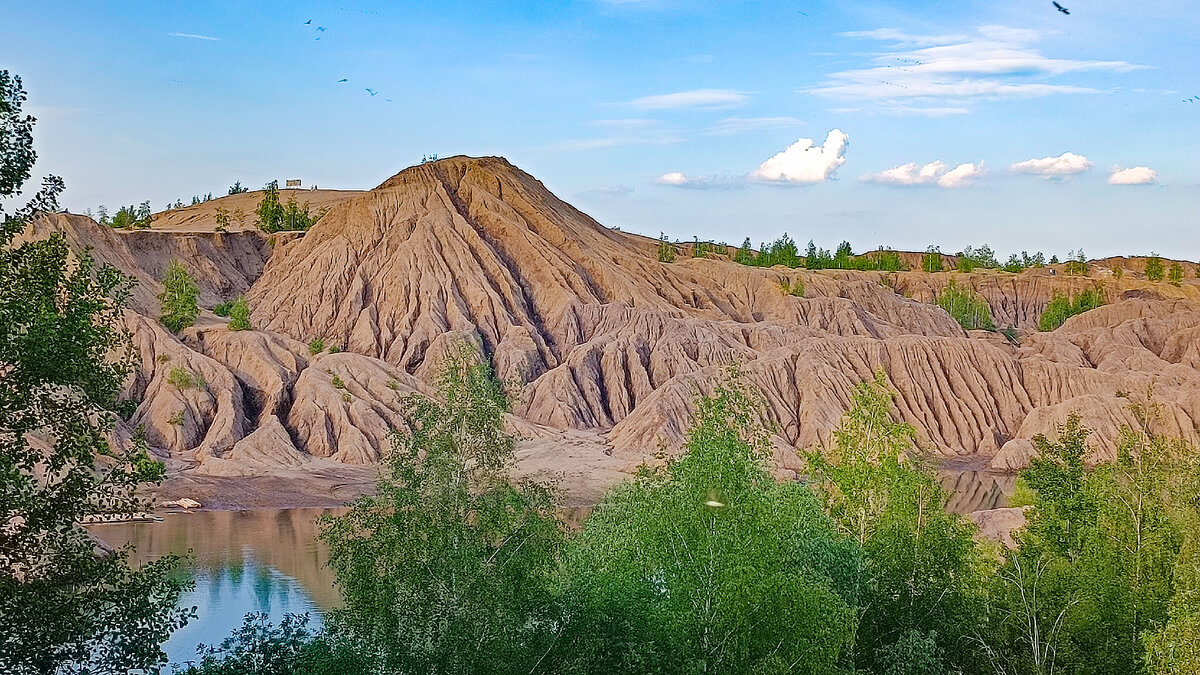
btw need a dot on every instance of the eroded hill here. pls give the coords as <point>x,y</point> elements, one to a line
<point>606,345</point>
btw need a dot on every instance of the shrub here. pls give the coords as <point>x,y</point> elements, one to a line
<point>222,309</point>
<point>185,379</point>
<point>745,254</point>
<point>338,383</point>
<point>333,349</point>
<point>222,219</point>
<point>178,298</point>
<point>795,287</point>
<point>316,346</point>
<point>1062,308</point>
<point>239,315</point>
<point>1076,263</point>
<point>1154,267</point>
<point>237,188</point>
<point>967,307</point>
<point>176,418</point>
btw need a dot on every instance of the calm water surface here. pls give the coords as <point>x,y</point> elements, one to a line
<point>242,561</point>
<point>270,560</point>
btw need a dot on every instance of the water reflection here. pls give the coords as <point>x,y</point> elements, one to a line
<point>271,561</point>
<point>976,490</point>
<point>242,561</point>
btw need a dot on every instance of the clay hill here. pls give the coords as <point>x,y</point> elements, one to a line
<point>606,346</point>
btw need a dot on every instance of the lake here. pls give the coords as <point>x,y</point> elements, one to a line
<point>242,561</point>
<point>270,560</point>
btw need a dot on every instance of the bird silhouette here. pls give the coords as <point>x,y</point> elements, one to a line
<point>343,80</point>
<point>1060,8</point>
<point>372,92</point>
<point>308,22</point>
<point>388,100</point>
<point>321,28</point>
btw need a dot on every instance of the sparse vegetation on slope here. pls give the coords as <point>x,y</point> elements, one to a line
<point>967,307</point>
<point>1063,307</point>
<point>179,297</point>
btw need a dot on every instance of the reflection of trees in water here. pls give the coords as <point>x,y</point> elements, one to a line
<point>224,544</point>
<point>247,577</point>
<point>976,490</point>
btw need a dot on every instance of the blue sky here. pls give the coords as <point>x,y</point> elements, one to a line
<point>956,123</point>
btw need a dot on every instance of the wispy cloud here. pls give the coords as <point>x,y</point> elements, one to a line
<point>944,74</point>
<point>710,182</point>
<point>193,36</point>
<point>696,98</point>
<point>1066,164</point>
<point>737,125</point>
<point>624,132</point>
<point>933,173</point>
<point>1137,175</point>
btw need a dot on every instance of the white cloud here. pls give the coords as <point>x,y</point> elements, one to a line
<point>803,162</point>
<point>1137,175</point>
<point>713,182</point>
<point>943,74</point>
<point>933,173</point>
<point>697,98</point>
<point>193,36</point>
<point>1066,164</point>
<point>737,125</point>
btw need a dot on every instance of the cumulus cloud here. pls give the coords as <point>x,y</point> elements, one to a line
<point>1136,175</point>
<point>933,173</point>
<point>713,182</point>
<point>803,162</point>
<point>1066,164</point>
<point>696,98</point>
<point>942,74</point>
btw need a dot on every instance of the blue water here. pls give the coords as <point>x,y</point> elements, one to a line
<point>241,561</point>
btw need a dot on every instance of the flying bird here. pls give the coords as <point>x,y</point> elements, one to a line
<point>1060,8</point>
<point>372,92</point>
<point>308,22</point>
<point>321,28</point>
<point>343,80</point>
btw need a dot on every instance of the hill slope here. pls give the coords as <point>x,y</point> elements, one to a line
<point>607,345</point>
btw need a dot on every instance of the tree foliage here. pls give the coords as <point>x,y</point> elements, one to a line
<point>447,569</point>
<point>1062,307</point>
<point>917,584</point>
<point>967,307</point>
<point>1154,268</point>
<point>707,564</point>
<point>178,301</point>
<point>239,314</point>
<point>63,359</point>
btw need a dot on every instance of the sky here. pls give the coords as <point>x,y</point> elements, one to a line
<point>899,124</point>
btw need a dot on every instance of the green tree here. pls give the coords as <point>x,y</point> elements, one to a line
<point>745,254</point>
<point>707,564</point>
<point>447,568</point>
<point>1062,307</point>
<point>270,211</point>
<point>1175,274</point>
<point>64,357</point>
<point>259,647</point>
<point>239,314</point>
<point>920,581</point>
<point>666,250</point>
<point>1175,648</point>
<point>178,300</point>
<point>1154,267</point>
<point>966,306</point>
<point>1094,572</point>
<point>931,261</point>
<point>237,189</point>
